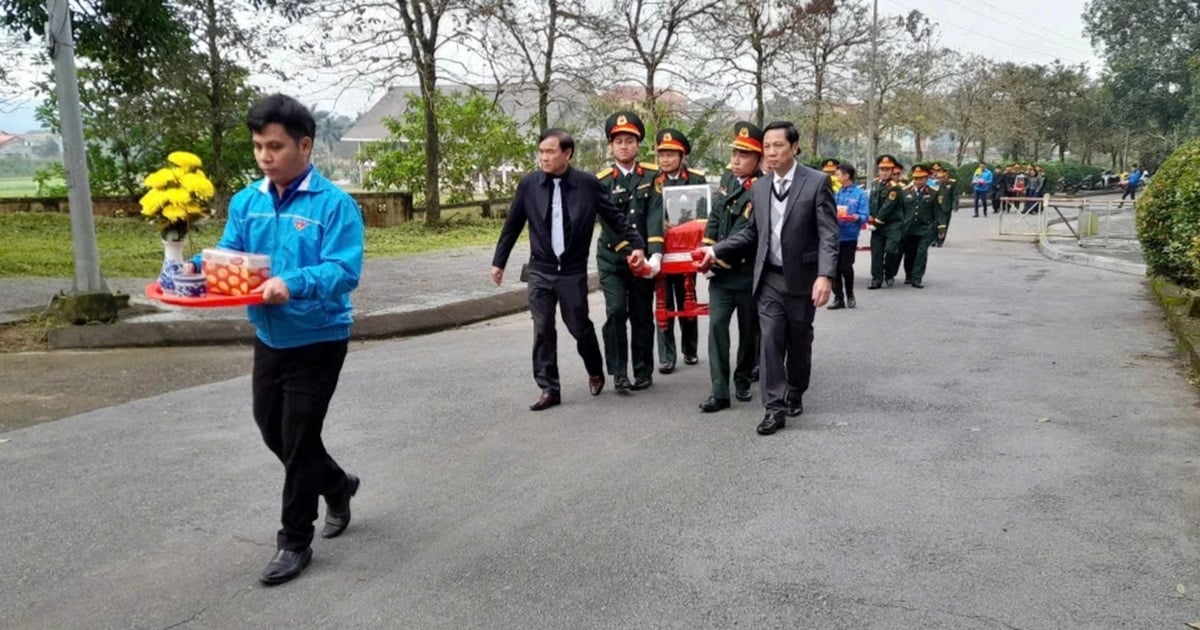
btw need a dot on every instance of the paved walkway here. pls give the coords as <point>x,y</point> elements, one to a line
<point>1015,446</point>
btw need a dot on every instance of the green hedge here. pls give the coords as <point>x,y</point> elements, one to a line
<point>1168,218</point>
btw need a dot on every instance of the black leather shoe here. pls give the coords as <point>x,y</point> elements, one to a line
<point>666,368</point>
<point>875,284</point>
<point>850,303</point>
<point>916,284</point>
<point>744,395</point>
<point>714,404</point>
<point>285,566</point>
<point>795,408</point>
<point>907,281</point>
<point>642,382</point>
<point>691,359</point>
<point>621,384</point>
<point>754,375</point>
<point>596,384</point>
<point>890,281</point>
<point>337,509</point>
<point>837,304</point>
<point>773,422</point>
<point>546,401</point>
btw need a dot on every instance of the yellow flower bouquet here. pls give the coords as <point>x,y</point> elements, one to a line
<point>177,196</point>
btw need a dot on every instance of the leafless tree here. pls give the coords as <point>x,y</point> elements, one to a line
<point>654,35</point>
<point>539,42</point>
<point>826,33</point>
<point>968,103</point>
<point>748,39</point>
<point>384,40</point>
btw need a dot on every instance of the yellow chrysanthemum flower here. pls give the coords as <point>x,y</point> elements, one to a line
<point>184,160</point>
<point>159,179</point>
<point>174,212</point>
<point>152,202</point>
<point>177,196</point>
<point>197,184</point>
<point>194,210</point>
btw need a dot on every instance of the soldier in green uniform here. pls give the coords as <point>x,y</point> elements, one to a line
<point>947,195</point>
<point>628,297</point>
<point>673,148</point>
<point>731,286</point>
<point>887,216</point>
<point>926,221</point>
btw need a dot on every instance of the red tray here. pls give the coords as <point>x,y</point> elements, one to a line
<point>211,300</point>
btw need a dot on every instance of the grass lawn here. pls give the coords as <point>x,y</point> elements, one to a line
<point>17,187</point>
<point>39,244</point>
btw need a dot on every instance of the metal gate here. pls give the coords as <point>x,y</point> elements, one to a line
<point>1022,216</point>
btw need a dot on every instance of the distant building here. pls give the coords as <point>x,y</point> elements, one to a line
<point>35,144</point>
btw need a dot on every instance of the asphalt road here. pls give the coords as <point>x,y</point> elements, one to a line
<point>1013,447</point>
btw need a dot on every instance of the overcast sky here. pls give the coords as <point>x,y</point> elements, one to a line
<point>1025,31</point>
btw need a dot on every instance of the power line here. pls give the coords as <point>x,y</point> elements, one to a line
<point>1021,24</point>
<point>977,33</point>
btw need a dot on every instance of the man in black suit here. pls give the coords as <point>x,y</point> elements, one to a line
<point>795,232</point>
<point>561,204</point>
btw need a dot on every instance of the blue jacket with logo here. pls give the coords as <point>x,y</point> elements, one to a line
<point>314,236</point>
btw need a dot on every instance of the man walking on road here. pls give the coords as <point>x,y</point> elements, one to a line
<point>1132,183</point>
<point>313,233</point>
<point>795,239</point>
<point>561,205</point>
<point>629,298</point>
<point>730,288</point>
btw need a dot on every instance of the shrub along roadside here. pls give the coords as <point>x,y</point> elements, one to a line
<point>39,244</point>
<point>1168,218</point>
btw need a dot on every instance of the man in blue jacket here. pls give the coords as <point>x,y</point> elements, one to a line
<point>982,183</point>
<point>313,233</point>
<point>854,208</point>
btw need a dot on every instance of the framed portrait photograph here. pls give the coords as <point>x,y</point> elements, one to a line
<point>686,203</point>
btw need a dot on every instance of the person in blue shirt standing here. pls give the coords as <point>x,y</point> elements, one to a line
<point>853,210</point>
<point>313,232</point>
<point>982,183</point>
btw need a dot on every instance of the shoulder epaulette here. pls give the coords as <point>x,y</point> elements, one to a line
<point>698,171</point>
<point>649,166</point>
<point>605,173</point>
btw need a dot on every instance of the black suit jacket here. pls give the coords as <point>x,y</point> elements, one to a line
<point>584,200</point>
<point>809,234</point>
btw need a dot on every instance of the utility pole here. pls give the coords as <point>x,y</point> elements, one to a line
<point>873,124</point>
<point>90,299</point>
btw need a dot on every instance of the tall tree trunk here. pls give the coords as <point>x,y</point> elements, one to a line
<point>760,106</point>
<point>1062,153</point>
<point>547,80</point>
<point>919,150</point>
<point>651,100</point>
<point>818,90</point>
<point>433,148</point>
<point>216,109</point>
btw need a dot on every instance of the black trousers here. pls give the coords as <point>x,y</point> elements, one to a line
<point>981,196</point>
<point>570,293</point>
<point>1130,193</point>
<point>292,388</point>
<point>845,271</point>
<point>786,325</point>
